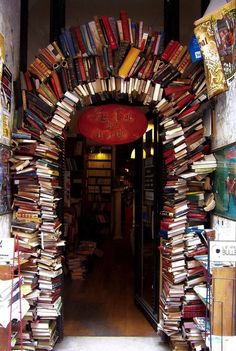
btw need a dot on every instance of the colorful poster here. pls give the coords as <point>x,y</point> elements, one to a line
<point>5,105</point>
<point>224,27</point>
<point>216,35</point>
<point>225,182</point>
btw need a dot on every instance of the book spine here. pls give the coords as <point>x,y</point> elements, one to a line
<point>66,75</point>
<point>99,30</point>
<point>86,41</point>
<point>59,70</point>
<point>128,62</point>
<point>112,22</point>
<point>63,45</point>
<point>69,41</point>
<point>96,38</point>
<point>72,73</point>
<point>57,83</point>
<point>75,41</point>
<point>120,30</point>
<point>125,25</point>
<point>80,41</point>
<point>80,61</point>
<point>169,50</point>
<point>91,40</point>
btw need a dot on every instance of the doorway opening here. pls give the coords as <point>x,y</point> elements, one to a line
<point>100,284</point>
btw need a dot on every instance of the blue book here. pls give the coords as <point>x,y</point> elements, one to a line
<point>86,41</point>
<point>21,136</point>
<point>63,45</point>
<point>34,118</point>
<point>69,42</point>
<point>91,39</point>
<point>105,56</point>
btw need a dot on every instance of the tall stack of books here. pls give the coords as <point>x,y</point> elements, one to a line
<point>187,163</point>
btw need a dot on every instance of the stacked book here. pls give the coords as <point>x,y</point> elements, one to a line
<point>45,332</point>
<point>80,261</point>
<point>187,163</point>
<point>105,60</point>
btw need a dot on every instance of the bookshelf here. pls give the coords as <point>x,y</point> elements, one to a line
<point>99,185</point>
<point>74,159</point>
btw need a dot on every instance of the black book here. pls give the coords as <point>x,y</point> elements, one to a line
<point>72,72</point>
<point>43,106</point>
<point>17,94</point>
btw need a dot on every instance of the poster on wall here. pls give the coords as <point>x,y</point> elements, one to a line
<point>216,35</point>
<point>225,182</point>
<point>5,105</point>
<point>5,186</point>
<point>224,28</point>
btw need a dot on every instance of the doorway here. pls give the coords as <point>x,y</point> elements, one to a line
<point>101,301</point>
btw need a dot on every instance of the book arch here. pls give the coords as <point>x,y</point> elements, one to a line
<point>112,71</point>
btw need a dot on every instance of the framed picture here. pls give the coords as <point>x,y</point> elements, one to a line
<point>224,183</point>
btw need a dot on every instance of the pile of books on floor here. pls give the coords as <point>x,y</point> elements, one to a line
<point>79,263</point>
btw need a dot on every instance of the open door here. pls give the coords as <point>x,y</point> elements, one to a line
<point>147,223</point>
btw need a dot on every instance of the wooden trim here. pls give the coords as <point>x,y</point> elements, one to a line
<point>171,20</point>
<point>57,18</point>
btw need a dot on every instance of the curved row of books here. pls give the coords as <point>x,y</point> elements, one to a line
<point>187,200</point>
<point>104,60</point>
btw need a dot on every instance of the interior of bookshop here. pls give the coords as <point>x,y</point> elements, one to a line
<point>117,175</point>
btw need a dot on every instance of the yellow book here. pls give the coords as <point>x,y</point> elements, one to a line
<point>128,62</point>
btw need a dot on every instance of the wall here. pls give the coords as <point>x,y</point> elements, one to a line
<point>81,11</point>
<point>224,134</point>
<point>225,126</point>
<point>38,26</point>
<point>10,28</point>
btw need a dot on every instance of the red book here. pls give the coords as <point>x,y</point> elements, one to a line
<point>81,67</point>
<point>56,84</point>
<point>28,81</point>
<point>125,25</point>
<point>195,136</point>
<point>80,40</point>
<point>176,89</point>
<point>34,124</point>
<point>172,45</point>
<point>54,88</point>
<point>173,53</point>
<point>110,36</point>
<point>168,153</point>
<point>184,101</point>
<point>189,111</point>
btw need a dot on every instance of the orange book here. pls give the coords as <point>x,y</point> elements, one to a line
<point>55,78</point>
<point>128,62</point>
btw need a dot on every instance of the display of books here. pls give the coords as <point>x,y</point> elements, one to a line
<point>101,61</point>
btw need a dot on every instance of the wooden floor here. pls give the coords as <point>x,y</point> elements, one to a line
<point>102,304</point>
